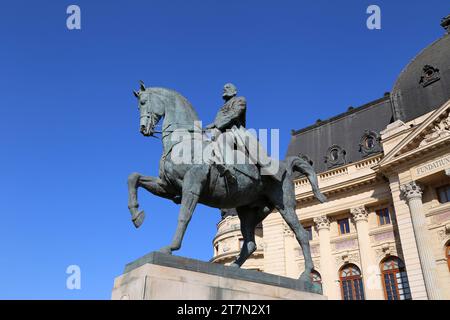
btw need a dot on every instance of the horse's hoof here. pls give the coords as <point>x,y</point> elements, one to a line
<point>138,220</point>
<point>166,250</point>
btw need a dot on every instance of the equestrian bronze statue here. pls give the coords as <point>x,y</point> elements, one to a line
<point>219,185</point>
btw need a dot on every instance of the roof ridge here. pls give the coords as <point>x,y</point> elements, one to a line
<point>341,115</point>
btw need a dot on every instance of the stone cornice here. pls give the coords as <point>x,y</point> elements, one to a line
<point>381,229</point>
<point>415,153</point>
<point>341,187</point>
<point>344,237</point>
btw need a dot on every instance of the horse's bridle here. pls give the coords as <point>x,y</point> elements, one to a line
<point>153,119</point>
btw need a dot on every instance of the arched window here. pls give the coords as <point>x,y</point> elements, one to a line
<point>447,253</point>
<point>351,283</point>
<point>395,279</point>
<point>316,278</point>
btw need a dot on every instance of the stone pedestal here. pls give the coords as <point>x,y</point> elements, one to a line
<point>161,276</point>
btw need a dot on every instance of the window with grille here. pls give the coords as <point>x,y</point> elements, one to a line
<point>444,194</point>
<point>395,279</point>
<point>384,217</point>
<point>447,252</point>
<point>316,278</point>
<point>344,226</point>
<point>352,287</point>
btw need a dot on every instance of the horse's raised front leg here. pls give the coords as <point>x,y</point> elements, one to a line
<point>193,183</point>
<point>152,184</point>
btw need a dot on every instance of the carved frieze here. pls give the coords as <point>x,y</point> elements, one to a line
<point>439,130</point>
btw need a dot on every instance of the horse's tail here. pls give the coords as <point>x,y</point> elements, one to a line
<point>297,164</point>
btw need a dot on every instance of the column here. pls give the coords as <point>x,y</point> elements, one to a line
<point>274,254</point>
<point>413,195</point>
<point>370,269</point>
<point>327,269</point>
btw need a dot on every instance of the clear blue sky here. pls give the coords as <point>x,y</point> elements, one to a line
<point>69,124</point>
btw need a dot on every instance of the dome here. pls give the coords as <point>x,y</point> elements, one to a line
<point>424,84</point>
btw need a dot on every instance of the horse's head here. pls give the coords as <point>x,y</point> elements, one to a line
<point>151,109</point>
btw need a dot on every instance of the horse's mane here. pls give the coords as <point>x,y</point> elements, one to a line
<point>167,92</point>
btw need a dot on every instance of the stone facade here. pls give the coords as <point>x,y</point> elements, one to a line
<point>383,208</point>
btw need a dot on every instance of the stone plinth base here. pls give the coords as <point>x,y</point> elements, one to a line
<point>162,276</point>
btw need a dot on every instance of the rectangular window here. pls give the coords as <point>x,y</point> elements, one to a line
<point>444,194</point>
<point>309,230</point>
<point>383,216</point>
<point>344,226</point>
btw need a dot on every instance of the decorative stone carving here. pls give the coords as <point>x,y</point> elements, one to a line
<point>440,130</point>
<point>411,191</point>
<point>444,232</point>
<point>386,249</point>
<point>347,257</point>
<point>359,214</point>
<point>322,222</point>
<point>370,143</point>
<point>335,156</point>
<point>430,75</point>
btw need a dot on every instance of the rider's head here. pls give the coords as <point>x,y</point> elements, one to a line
<point>229,91</point>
